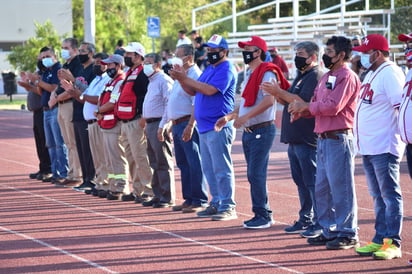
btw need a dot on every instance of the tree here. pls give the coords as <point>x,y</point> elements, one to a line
<point>24,57</point>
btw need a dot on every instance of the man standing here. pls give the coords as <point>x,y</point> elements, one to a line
<point>405,122</point>
<point>187,151</point>
<point>333,106</point>
<point>159,147</point>
<point>128,110</point>
<point>215,92</point>
<point>257,114</point>
<point>277,60</point>
<point>300,136</point>
<point>380,144</point>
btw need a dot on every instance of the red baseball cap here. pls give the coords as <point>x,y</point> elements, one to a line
<point>373,41</point>
<point>255,41</point>
<point>405,37</point>
<point>273,49</point>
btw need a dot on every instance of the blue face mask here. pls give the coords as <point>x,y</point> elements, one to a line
<point>65,54</point>
<point>47,62</point>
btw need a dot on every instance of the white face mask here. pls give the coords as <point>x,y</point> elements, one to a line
<point>365,60</point>
<point>177,61</point>
<point>65,54</point>
<point>148,69</point>
<point>47,62</point>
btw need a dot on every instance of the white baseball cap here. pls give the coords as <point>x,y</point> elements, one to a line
<point>135,47</point>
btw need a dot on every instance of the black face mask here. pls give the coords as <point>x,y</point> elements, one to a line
<point>248,56</point>
<point>300,63</point>
<point>213,57</point>
<point>83,58</point>
<point>40,65</point>
<point>112,72</point>
<point>97,69</point>
<point>327,61</point>
<point>273,55</point>
<point>128,62</point>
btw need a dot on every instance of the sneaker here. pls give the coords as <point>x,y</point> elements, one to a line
<point>258,222</point>
<point>208,212</point>
<point>143,198</point>
<point>226,215</point>
<point>180,207</point>
<point>312,232</point>
<point>84,186</point>
<point>368,249</point>
<point>320,240</point>
<point>388,251</point>
<point>296,228</point>
<point>410,262</point>
<point>342,243</point>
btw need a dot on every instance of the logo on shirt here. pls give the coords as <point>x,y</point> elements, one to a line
<point>366,94</point>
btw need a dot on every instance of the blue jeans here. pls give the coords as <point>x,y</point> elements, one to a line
<point>382,175</point>
<point>215,148</point>
<point>302,160</point>
<point>256,146</point>
<point>55,144</point>
<point>335,189</point>
<point>188,160</point>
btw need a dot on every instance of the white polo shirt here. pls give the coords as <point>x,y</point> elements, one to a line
<point>95,88</point>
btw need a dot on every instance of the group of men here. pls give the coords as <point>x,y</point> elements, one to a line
<point>120,125</point>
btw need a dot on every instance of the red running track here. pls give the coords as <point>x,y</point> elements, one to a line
<point>44,229</point>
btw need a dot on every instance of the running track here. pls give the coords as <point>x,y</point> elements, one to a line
<point>44,229</point>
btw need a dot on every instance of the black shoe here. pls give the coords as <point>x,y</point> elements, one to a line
<point>320,240</point>
<point>342,243</point>
<point>143,198</point>
<point>128,198</point>
<point>114,196</point>
<point>84,186</point>
<point>102,193</point>
<point>90,190</point>
<point>48,179</point>
<point>34,175</point>
<point>150,202</point>
<point>94,192</point>
<point>163,205</point>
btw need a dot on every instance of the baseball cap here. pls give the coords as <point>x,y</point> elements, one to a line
<point>273,49</point>
<point>405,37</point>
<point>115,58</point>
<point>255,41</point>
<point>135,47</point>
<point>373,41</point>
<point>216,41</point>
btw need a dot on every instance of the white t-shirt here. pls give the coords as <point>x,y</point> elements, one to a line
<point>405,111</point>
<point>376,117</point>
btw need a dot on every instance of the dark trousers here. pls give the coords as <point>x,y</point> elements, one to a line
<point>83,149</point>
<point>40,140</point>
<point>409,158</point>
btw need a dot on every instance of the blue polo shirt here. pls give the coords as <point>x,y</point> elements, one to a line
<point>50,77</point>
<point>209,108</point>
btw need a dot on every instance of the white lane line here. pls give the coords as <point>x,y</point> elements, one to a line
<point>93,264</point>
<point>155,229</point>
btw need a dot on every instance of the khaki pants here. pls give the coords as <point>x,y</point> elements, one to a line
<point>65,116</point>
<point>135,141</point>
<point>116,160</point>
<point>97,149</point>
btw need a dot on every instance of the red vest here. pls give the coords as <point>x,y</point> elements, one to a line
<point>126,106</point>
<point>109,119</point>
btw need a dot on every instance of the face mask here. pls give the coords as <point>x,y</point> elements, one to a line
<point>40,65</point>
<point>83,58</point>
<point>248,56</point>
<point>273,55</point>
<point>97,69</point>
<point>148,69</point>
<point>213,57</point>
<point>111,72</point>
<point>65,54</point>
<point>177,61</point>
<point>128,62</point>
<point>47,62</point>
<point>328,61</point>
<point>169,62</point>
<point>300,63</point>
<point>365,60</point>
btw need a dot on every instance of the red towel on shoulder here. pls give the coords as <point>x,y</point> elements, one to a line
<point>252,86</point>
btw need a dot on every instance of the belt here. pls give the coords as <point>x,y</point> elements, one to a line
<point>332,133</point>
<point>129,120</point>
<point>181,120</point>
<point>92,121</point>
<point>256,126</point>
<point>152,120</point>
<point>65,101</point>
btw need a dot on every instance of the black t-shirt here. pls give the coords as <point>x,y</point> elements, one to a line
<point>140,89</point>
<point>88,75</point>
<point>301,130</point>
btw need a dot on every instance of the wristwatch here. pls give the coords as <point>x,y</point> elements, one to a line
<point>36,82</point>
